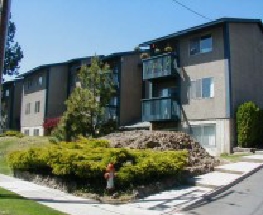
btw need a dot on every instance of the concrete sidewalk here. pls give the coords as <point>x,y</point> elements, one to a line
<point>168,202</point>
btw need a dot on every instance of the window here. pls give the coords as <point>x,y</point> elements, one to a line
<point>116,79</point>
<point>40,81</point>
<point>114,101</point>
<point>29,83</point>
<point>205,135</point>
<point>36,132</point>
<point>202,88</point>
<point>26,132</point>
<point>27,109</point>
<point>37,106</point>
<point>7,93</point>
<point>201,45</point>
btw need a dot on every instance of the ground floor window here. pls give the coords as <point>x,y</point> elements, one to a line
<point>205,135</point>
<point>36,132</point>
<point>26,132</point>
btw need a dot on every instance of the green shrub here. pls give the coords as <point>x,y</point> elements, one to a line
<point>247,124</point>
<point>260,129</point>
<point>53,140</point>
<point>11,133</point>
<point>87,160</point>
<point>20,135</point>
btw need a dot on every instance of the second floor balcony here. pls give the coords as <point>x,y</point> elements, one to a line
<point>159,66</point>
<point>160,109</point>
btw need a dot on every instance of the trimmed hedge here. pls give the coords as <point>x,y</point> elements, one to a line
<point>86,160</point>
<point>248,122</point>
<point>11,133</point>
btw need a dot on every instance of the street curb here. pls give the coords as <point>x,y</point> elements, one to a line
<point>215,192</point>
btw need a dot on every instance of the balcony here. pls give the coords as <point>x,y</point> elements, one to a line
<point>160,109</point>
<point>159,66</point>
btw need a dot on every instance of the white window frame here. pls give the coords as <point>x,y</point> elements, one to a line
<point>212,142</point>
<point>26,132</point>
<point>36,132</point>
<point>198,94</point>
<point>199,40</point>
<point>27,109</point>
<point>37,106</point>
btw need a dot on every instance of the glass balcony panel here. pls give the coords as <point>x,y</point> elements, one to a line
<point>155,67</point>
<point>167,65</point>
<point>160,109</point>
<point>158,66</point>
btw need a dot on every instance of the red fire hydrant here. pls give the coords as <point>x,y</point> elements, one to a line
<point>109,176</point>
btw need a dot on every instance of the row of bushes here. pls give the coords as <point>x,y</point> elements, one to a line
<point>86,160</point>
<point>249,123</point>
<point>12,134</point>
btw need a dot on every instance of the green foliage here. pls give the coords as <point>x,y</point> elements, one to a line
<point>53,140</point>
<point>108,127</point>
<point>20,135</point>
<point>11,133</point>
<point>86,104</point>
<point>13,52</point>
<point>86,159</point>
<point>247,118</point>
<point>168,49</point>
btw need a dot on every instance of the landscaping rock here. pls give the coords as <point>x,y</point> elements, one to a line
<point>199,161</point>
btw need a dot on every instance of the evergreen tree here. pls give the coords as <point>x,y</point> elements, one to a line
<point>13,52</point>
<point>86,104</point>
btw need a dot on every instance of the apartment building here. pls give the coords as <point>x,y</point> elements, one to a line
<point>11,105</point>
<point>44,91</point>
<point>46,88</point>
<point>195,79</point>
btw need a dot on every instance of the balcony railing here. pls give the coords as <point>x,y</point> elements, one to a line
<point>159,66</point>
<point>158,109</point>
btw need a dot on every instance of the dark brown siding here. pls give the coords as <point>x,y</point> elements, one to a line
<point>131,90</point>
<point>246,54</point>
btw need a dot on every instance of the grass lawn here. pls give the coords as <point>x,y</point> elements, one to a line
<point>8,144</point>
<point>12,204</point>
<point>234,157</point>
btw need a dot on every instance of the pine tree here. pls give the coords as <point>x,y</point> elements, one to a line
<point>13,52</point>
<point>86,104</point>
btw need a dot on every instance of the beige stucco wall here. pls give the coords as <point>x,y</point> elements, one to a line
<point>206,108</point>
<point>31,95</point>
<point>203,65</point>
<point>131,90</point>
<point>223,134</point>
<point>33,119</point>
<point>246,53</point>
<point>217,48</point>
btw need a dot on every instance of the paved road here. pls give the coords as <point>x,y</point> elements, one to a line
<point>245,198</point>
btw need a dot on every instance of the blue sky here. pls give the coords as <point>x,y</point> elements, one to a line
<point>51,31</point>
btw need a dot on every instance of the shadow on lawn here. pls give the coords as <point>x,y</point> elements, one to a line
<point>47,200</point>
